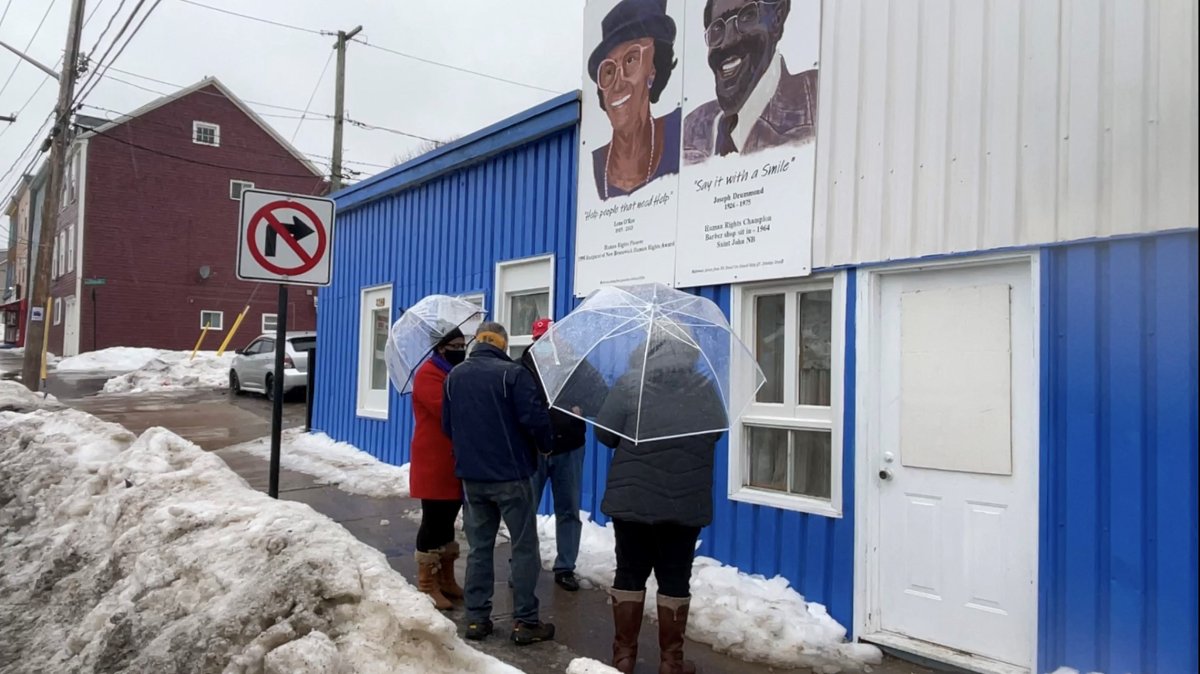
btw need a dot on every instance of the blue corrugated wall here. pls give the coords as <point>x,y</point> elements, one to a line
<point>445,236</point>
<point>1119,450</point>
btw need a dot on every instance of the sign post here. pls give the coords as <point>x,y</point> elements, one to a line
<point>286,239</point>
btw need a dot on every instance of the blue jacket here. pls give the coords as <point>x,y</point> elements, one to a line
<point>495,418</point>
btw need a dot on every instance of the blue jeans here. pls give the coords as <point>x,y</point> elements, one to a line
<point>565,473</point>
<point>486,504</point>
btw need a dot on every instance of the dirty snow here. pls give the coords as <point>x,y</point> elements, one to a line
<point>147,554</point>
<point>747,616</point>
<point>175,371</point>
<point>588,666</point>
<point>333,462</point>
<point>1068,670</point>
<point>115,359</point>
<point>15,397</point>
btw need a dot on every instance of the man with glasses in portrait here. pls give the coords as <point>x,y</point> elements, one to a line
<point>759,104</point>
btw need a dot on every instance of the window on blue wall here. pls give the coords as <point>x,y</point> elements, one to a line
<point>375,318</point>
<point>786,449</point>
<point>524,293</point>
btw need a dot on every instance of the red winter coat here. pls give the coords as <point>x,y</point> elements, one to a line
<point>431,473</point>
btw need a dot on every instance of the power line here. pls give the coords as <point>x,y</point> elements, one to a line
<point>5,14</point>
<point>256,18</point>
<point>373,127</point>
<point>99,74</point>
<point>27,45</point>
<point>179,86</point>
<point>452,67</point>
<point>313,95</point>
<point>128,20</point>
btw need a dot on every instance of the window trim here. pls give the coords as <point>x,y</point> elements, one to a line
<point>220,327</point>
<point>58,311</point>
<point>263,323</point>
<point>246,185</point>
<point>800,417</point>
<point>366,403</point>
<point>215,128</point>
<point>501,295</point>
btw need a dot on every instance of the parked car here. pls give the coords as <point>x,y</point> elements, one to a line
<point>254,366</point>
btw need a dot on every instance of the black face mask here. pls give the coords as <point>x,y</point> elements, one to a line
<point>454,357</point>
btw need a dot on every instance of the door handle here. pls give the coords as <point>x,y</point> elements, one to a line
<point>885,474</point>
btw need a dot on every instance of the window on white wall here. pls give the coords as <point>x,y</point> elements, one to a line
<point>375,317</point>
<point>524,293</point>
<point>786,450</point>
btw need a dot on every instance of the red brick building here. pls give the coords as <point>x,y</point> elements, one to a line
<point>146,245</point>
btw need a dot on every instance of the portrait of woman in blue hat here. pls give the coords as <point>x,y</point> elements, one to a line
<point>631,66</point>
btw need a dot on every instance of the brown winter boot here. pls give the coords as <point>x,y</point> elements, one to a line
<point>428,567</point>
<point>450,587</point>
<point>628,609</point>
<point>672,623</point>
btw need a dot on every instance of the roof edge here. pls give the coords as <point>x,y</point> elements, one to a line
<point>536,122</point>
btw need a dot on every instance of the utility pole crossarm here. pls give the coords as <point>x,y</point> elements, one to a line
<point>36,63</point>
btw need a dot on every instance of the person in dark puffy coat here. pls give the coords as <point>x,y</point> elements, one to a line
<point>431,477</point>
<point>659,492</point>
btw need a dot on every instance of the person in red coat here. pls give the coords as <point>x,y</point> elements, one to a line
<point>431,476</point>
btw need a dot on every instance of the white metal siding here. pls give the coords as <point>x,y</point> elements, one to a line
<point>959,125</point>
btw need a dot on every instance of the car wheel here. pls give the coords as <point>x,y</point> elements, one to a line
<point>235,385</point>
<point>270,389</point>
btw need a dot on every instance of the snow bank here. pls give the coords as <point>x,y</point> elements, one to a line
<point>749,617</point>
<point>115,359</point>
<point>588,666</point>
<point>173,371</point>
<point>147,554</point>
<point>333,462</point>
<point>15,397</point>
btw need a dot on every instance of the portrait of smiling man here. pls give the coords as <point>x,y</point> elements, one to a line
<point>759,103</point>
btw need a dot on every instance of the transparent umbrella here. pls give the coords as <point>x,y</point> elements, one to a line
<point>413,336</point>
<point>664,363</point>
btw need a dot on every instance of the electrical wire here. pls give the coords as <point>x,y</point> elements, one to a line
<point>312,96</point>
<point>97,62</point>
<point>27,46</point>
<point>5,14</point>
<point>100,74</point>
<point>453,67</point>
<point>256,18</point>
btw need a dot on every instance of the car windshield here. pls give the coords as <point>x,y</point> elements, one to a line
<point>304,343</point>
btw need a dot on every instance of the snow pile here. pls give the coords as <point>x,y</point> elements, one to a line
<point>1068,670</point>
<point>749,617</point>
<point>175,371</point>
<point>147,554</point>
<point>115,359</point>
<point>333,462</point>
<point>588,666</point>
<point>15,397</point>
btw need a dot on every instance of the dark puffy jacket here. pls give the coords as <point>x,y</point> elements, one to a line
<point>662,481</point>
<point>585,389</point>
<point>494,417</point>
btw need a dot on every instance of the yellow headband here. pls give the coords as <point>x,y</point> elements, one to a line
<point>495,339</point>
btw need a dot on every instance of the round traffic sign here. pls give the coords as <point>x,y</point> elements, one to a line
<point>268,214</point>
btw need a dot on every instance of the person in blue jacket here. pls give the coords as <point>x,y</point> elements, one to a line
<point>497,424</point>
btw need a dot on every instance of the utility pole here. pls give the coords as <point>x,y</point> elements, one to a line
<point>60,132</point>
<point>339,105</point>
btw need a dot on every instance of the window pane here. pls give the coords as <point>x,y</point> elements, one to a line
<point>811,463</point>
<point>816,344</point>
<point>269,322</point>
<point>769,345</point>
<point>378,366</point>
<point>768,457</point>
<point>525,309</point>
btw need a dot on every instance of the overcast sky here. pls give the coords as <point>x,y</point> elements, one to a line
<point>536,42</point>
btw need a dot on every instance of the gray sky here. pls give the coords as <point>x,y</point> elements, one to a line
<point>537,42</point>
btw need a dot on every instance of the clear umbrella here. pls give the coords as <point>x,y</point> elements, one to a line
<point>413,336</point>
<point>664,364</point>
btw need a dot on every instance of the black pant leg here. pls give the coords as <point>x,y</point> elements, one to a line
<point>437,523</point>
<point>675,547</point>
<point>635,555</point>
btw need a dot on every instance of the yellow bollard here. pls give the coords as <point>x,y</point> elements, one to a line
<point>232,331</point>
<point>46,337</point>
<point>199,342</point>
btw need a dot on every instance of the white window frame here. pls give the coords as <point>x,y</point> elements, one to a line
<point>70,254</point>
<point>220,326</point>
<point>371,403</point>
<point>54,260</point>
<point>478,299</point>
<point>58,311</point>
<point>243,184</point>
<point>503,293</point>
<point>208,126</point>
<point>793,417</point>
<point>274,319</point>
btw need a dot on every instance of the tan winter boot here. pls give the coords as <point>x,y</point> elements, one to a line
<point>450,587</point>
<point>672,623</point>
<point>628,609</point>
<point>428,567</point>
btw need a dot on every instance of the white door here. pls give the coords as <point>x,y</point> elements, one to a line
<point>70,326</point>
<point>953,455</point>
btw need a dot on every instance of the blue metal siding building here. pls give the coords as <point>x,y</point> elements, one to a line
<point>1118,449</point>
